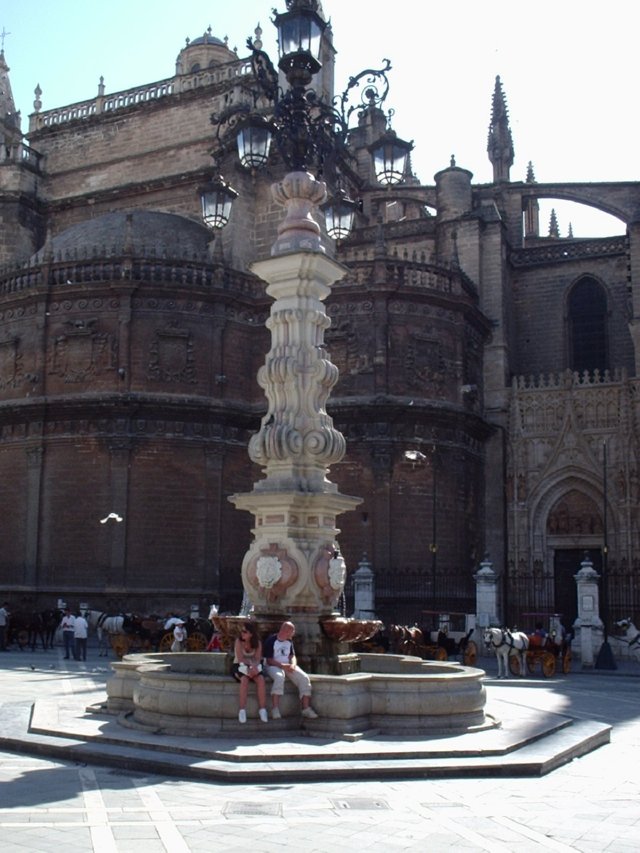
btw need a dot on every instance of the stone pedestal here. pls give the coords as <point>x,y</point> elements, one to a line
<point>588,626</point>
<point>364,591</point>
<point>486,595</point>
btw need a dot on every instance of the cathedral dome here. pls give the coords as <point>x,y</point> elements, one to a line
<point>140,232</point>
<point>203,52</point>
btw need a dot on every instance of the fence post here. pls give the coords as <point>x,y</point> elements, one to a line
<point>588,622</point>
<point>486,595</point>
<point>364,590</point>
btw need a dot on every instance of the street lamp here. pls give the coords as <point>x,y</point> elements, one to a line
<point>415,456</point>
<point>309,133</point>
<point>216,198</point>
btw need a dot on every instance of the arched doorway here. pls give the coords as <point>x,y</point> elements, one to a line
<point>574,526</point>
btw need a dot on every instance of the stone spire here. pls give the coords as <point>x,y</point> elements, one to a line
<point>531,208</point>
<point>9,117</point>
<point>500,142</point>
<point>554,230</point>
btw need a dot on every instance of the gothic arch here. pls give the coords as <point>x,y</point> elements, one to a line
<point>558,488</point>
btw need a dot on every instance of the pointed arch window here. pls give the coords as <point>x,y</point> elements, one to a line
<point>588,326</point>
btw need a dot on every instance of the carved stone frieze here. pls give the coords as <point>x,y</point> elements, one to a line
<point>422,309</point>
<point>350,309</point>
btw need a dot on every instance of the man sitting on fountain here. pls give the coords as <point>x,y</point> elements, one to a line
<point>281,663</point>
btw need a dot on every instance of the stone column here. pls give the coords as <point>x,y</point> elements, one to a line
<point>291,567</point>
<point>364,590</point>
<point>588,626</point>
<point>486,595</point>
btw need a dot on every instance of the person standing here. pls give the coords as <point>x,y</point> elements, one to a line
<point>80,633</point>
<point>281,663</point>
<point>179,636</point>
<point>4,624</point>
<point>68,633</point>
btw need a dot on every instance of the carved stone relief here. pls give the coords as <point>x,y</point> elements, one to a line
<point>171,358</point>
<point>82,351</point>
<point>10,363</point>
<point>574,514</point>
<point>425,365</point>
<point>349,354</point>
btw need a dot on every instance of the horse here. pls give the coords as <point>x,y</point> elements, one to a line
<point>50,621</point>
<point>631,637</point>
<point>506,643</point>
<point>104,625</point>
<point>26,628</point>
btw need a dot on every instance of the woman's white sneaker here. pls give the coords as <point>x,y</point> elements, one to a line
<point>242,716</point>
<point>262,713</point>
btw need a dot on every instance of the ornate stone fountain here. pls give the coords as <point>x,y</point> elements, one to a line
<point>293,568</point>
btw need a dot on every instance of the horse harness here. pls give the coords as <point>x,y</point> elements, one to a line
<point>635,641</point>
<point>507,640</point>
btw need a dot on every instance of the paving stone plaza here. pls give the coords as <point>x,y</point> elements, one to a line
<point>51,799</point>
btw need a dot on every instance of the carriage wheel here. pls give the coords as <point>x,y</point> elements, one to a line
<point>470,654</point>
<point>120,644</point>
<point>196,642</point>
<point>22,638</point>
<point>566,662</point>
<point>531,662</point>
<point>165,642</point>
<point>440,653</point>
<point>548,664</point>
<point>514,664</point>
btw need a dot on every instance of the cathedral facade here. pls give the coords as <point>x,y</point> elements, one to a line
<point>504,360</point>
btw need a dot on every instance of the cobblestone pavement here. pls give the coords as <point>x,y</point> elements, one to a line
<point>591,804</point>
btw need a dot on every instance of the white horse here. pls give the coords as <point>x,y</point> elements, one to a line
<point>631,636</point>
<point>104,625</point>
<point>505,643</point>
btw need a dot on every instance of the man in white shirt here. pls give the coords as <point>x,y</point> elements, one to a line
<point>80,633</point>
<point>68,632</point>
<point>281,663</point>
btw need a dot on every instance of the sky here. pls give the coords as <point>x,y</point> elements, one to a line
<point>569,71</point>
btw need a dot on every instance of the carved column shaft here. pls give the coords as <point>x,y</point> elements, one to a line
<point>291,566</point>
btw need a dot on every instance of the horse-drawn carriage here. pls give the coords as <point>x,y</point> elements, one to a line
<point>549,647</point>
<point>129,633</point>
<point>442,636</point>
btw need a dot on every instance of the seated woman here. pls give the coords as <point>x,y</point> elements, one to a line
<point>247,667</point>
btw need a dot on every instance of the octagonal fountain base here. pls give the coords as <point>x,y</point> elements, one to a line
<point>192,694</point>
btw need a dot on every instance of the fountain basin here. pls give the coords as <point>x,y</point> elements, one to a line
<point>190,694</point>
